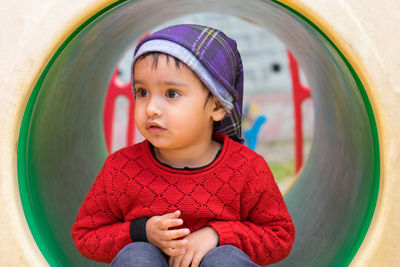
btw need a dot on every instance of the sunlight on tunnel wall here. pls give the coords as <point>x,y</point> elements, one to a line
<point>70,96</point>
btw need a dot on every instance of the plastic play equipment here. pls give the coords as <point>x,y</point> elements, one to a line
<point>300,93</point>
<point>56,62</point>
<point>118,89</point>
<point>252,121</point>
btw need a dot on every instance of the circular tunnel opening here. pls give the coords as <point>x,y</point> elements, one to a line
<point>61,145</point>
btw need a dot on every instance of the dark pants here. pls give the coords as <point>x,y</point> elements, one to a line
<point>142,254</point>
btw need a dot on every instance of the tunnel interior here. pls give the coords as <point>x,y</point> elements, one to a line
<point>61,144</point>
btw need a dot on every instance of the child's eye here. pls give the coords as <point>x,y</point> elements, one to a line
<point>141,92</point>
<point>172,94</point>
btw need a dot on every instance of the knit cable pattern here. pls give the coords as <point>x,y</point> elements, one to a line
<point>236,195</point>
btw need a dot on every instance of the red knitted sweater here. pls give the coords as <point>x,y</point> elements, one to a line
<point>236,195</point>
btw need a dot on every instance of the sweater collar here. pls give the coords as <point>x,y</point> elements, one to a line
<point>220,137</point>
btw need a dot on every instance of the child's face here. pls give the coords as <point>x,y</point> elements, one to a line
<point>171,109</point>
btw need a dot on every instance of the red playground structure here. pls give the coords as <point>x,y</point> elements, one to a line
<point>117,89</point>
<point>300,93</point>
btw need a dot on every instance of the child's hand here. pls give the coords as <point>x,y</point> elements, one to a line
<point>158,234</point>
<point>199,243</point>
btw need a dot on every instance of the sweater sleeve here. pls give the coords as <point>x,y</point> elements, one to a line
<point>99,232</point>
<point>266,232</point>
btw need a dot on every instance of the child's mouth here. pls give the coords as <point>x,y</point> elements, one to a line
<point>155,129</point>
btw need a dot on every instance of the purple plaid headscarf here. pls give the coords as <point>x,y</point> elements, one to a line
<point>213,57</point>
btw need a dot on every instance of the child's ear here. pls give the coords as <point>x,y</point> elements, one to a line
<point>218,112</point>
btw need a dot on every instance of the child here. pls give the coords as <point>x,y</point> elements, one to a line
<point>190,194</point>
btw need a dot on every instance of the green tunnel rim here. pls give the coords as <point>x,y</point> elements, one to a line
<point>27,195</point>
<point>345,260</point>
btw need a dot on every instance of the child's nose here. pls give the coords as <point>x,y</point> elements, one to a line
<point>153,108</point>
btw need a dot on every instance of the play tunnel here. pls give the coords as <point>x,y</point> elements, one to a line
<point>61,144</point>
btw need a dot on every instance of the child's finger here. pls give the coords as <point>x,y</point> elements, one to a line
<point>172,215</point>
<point>186,259</point>
<point>168,223</point>
<point>197,259</point>
<point>175,234</point>
<point>176,260</point>
<point>172,260</point>
<point>163,221</point>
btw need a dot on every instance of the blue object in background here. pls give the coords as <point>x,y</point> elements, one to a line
<point>251,135</point>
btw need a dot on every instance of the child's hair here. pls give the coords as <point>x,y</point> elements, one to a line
<point>156,55</point>
<point>212,56</point>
